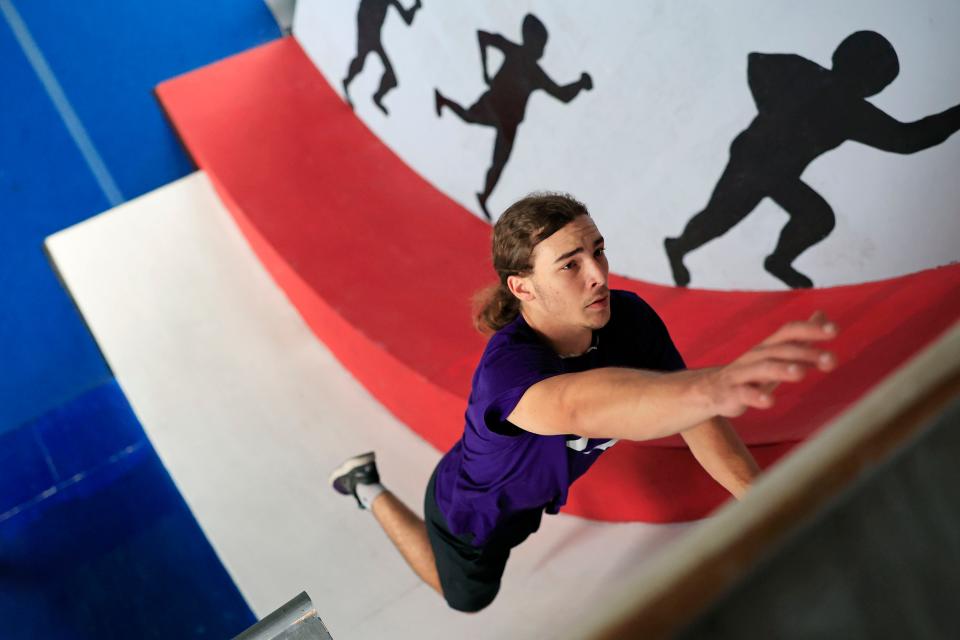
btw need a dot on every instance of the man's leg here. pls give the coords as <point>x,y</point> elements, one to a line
<point>478,113</point>
<point>355,67</point>
<point>811,220</point>
<point>501,153</point>
<point>358,477</point>
<point>409,535</point>
<point>732,200</point>
<point>387,81</point>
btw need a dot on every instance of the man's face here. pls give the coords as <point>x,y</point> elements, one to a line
<point>569,279</point>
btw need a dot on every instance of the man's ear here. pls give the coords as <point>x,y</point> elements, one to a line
<point>521,287</point>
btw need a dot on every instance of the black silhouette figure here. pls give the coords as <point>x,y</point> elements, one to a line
<point>504,104</point>
<point>804,110</point>
<point>370,18</point>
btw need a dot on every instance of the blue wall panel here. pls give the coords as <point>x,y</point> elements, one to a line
<point>95,541</point>
<point>106,58</point>
<point>45,185</point>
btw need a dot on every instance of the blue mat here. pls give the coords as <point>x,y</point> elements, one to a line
<point>95,541</point>
<point>80,131</point>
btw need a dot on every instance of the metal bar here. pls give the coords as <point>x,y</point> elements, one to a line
<point>296,620</point>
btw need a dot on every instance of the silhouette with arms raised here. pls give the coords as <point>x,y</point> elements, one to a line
<point>503,106</point>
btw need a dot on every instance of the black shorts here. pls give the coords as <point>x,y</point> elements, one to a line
<point>470,575</point>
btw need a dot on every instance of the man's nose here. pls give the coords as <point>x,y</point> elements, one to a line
<point>596,274</point>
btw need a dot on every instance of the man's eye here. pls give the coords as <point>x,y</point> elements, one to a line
<point>599,252</point>
<point>568,266</point>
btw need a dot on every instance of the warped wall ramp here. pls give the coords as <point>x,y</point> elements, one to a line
<point>382,265</point>
<point>249,412</point>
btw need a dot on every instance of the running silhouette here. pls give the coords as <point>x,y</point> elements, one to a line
<point>804,110</point>
<point>504,104</point>
<point>370,18</point>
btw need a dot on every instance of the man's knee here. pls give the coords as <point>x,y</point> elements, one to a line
<point>827,222</point>
<point>814,225</point>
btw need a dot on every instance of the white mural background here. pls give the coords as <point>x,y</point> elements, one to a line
<point>645,148</point>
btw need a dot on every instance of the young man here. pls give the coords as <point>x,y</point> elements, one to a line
<point>571,368</point>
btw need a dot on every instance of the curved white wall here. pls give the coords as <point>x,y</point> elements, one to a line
<point>646,147</point>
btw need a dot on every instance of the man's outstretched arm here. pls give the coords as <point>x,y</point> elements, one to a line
<point>563,93</point>
<point>722,454</point>
<point>633,404</point>
<point>873,127</point>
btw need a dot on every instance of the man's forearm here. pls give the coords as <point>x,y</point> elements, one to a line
<point>633,404</point>
<point>722,454</point>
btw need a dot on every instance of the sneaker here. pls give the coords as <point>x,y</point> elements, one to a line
<point>360,469</point>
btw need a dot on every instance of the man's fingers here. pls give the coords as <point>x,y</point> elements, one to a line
<point>755,397</point>
<point>749,382</point>
<point>816,329</point>
<point>767,371</point>
<point>793,352</point>
<point>745,397</point>
<point>769,387</point>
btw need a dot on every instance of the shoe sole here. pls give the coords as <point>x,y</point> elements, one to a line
<point>350,465</point>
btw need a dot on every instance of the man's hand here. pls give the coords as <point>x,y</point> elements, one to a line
<point>749,381</point>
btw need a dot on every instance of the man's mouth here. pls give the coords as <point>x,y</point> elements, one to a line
<point>598,303</point>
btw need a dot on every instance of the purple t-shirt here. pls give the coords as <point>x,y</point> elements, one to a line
<point>496,469</point>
